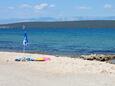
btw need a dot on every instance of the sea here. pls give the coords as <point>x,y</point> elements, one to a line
<point>63,41</point>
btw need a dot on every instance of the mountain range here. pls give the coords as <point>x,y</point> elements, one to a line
<point>63,24</point>
<point>53,19</point>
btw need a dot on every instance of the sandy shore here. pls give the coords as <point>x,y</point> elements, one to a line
<point>59,71</point>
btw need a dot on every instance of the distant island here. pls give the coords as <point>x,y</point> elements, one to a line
<point>63,24</point>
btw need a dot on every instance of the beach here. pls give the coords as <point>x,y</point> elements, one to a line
<point>58,71</point>
<point>57,43</point>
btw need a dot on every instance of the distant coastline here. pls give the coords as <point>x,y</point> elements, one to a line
<point>63,24</point>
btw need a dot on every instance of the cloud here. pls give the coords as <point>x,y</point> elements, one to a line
<point>52,5</point>
<point>11,8</point>
<point>83,8</point>
<point>108,6</point>
<point>25,6</point>
<point>41,6</point>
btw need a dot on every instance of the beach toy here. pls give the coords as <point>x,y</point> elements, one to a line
<point>30,59</point>
<point>46,59</point>
<point>18,59</point>
<point>24,59</point>
<point>42,59</point>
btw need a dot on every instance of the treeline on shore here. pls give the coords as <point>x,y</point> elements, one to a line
<point>63,24</point>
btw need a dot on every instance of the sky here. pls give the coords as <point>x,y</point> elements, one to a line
<point>26,9</point>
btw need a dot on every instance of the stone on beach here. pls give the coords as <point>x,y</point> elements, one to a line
<point>99,57</point>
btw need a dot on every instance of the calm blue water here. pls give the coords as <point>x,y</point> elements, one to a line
<point>60,41</point>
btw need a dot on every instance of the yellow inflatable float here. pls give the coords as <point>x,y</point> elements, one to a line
<point>42,59</point>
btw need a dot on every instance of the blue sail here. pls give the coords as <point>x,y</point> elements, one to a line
<point>25,40</point>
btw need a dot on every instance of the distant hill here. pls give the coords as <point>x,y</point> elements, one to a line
<point>64,24</point>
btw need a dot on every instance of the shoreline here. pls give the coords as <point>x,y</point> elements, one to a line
<point>58,55</point>
<point>90,57</point>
